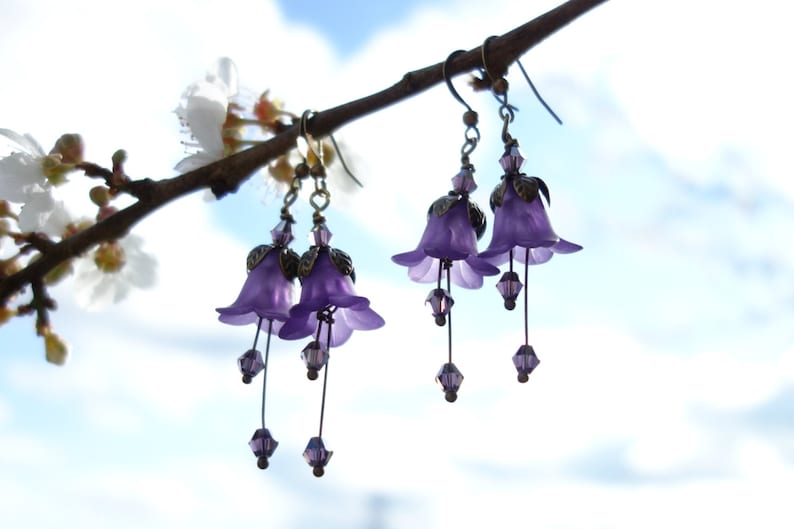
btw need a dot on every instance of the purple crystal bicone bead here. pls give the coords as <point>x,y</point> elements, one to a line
<point>463,182</point>
<point>512,160</point>
<point>250,364</point>
<point>450,378</point>
<point>525,361</point>
<point>317,456</point>
<point>321,235</point>
<point>314,356</point>
<point>262,445</point>
<point>440,303</point>
<point>509,287</point>
<point>282,233</point>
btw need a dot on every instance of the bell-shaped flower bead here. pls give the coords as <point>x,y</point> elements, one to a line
<point>524,227</point>
<point>267,293</point>
<point>450,235</point>
<point>326,289</point>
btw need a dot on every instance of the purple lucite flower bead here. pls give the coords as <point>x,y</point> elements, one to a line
<point>317,456</point>
<point>250,364</point>
<point>262,445</point>
<point>326,276</point>
<point>450,379</point>
<point>509,287</point>
<point>454,223</point>
<point>269,289</point>
<point>525,361</point>
<point>521,223</point>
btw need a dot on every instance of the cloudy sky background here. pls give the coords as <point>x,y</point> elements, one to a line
<point>666,388</point>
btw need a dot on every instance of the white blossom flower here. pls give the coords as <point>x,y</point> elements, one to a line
<point>203,110</point>
<point>96,288</point>
<point>21,172</point>
<point>43,212</point>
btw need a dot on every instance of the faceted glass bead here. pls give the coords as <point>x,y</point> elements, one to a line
<point>440,303</point>
<point>450,379</point>
<point>321,235</point>
<point>509,286</point>
<point>316,455</point>
<point>512,160</point>
<point>250,364</point>
<point>525,361</point>
<point>463,182</point>
<point>314,356</point>
<point>282,233</point>
<point>262,443</point>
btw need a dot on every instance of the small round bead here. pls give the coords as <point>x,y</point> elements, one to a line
<point>470,118</point>
<point>246,379</point>
<point>451,396</point>
<point>302,170</point>
<point>500,86</point>
<point>523,377</point>
<point>262,462</point>
<point>311,374</point>
<point>441,320</point>
<point>510,304</point>
<point>318,471</point>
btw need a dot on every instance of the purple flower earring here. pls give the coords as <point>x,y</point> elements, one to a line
<point>448,246</point>
<point>522,229</point>
<point>329,309</point>
<point>267,295</point>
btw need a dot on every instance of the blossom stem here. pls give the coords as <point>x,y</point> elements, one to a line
<point>264,370</point>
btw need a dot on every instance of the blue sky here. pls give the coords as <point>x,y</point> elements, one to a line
<point>666,345</point>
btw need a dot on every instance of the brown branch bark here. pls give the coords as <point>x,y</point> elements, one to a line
<point>226,175</point>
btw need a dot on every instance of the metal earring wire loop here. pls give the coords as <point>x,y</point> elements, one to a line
<point>447,80</point>
<point>537,94</point>
<point>303,132</point>
<point>484,53</point>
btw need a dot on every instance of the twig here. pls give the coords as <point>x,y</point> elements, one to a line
<point>225,176</point>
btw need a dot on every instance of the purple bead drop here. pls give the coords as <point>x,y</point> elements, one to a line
<point>250,364</point>
<point>509,287</point>
<point>450,378</point>
<point>316,455</point>
<point>525,361</point>
<point>440,303</point>
<point>262,443</point>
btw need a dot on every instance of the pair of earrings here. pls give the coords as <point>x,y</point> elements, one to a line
<point>328,310</point>
<point>447,251</point>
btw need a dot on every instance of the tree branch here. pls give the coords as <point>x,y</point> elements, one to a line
<point>226,175</point>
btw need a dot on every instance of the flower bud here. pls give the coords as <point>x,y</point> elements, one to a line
<point>100,195</point>
<point>55,348</point>
<point>70,148</point>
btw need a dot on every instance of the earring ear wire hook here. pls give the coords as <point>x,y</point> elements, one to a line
<point>303,132</point>
<point>447,80</point>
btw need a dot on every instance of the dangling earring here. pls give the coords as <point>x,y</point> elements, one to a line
<point>522,229</point>
<point>448,247</point>
<point>329,309</point>
<point>267,296</point>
